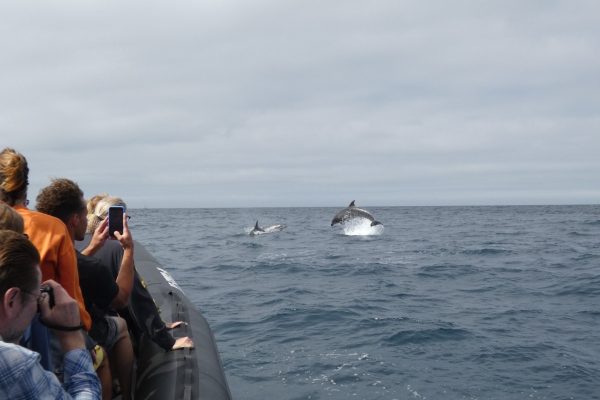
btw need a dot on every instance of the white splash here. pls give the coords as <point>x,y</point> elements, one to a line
<point>361,227</point>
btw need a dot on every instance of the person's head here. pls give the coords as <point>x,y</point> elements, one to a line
<point>93,201</point>
<point>14,176</point>
<point>20,278</point>
<point>10,219</point>
<point>93,219</point>
<point>98,209</point>
<point>64,200</point>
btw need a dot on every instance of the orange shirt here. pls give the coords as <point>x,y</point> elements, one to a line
<point>58,260</point>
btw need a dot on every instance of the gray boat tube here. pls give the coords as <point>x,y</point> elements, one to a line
<point>186,374</point>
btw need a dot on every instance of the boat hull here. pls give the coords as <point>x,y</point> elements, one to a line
<point>187,374</point>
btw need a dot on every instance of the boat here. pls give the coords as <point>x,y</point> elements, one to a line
<point>186,374</point>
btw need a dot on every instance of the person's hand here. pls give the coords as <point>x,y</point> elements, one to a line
<point>182,343</point>
<point>125,239</point>
<point>173,325</point>
<point>64,314</point>
<point>98,238</point>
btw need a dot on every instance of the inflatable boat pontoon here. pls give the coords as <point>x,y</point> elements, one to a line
<point>185,374</point>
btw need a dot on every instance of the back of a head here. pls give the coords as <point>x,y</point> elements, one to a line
<point>10,219</point>
<point>14,176</point>
<point>19,260</point>
<point>93,201</point>
<point>100,211</point>
<point>61,199</point>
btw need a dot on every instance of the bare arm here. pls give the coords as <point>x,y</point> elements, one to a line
<point>80,379</point>
<point>98,238</point>
<point>64,313</point>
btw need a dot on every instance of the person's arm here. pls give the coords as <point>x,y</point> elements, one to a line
<point>80,379</point>
<point>127,270</point>
<point>69,276</point>
<point>98,238</point>
<point>29,380</point>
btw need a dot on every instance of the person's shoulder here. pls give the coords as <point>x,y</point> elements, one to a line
<point>111,248</point>
<point>89,262</point>
<point>93,270</point>
<point>15,360</point>
<point>16,351</point>
<point>39,219</point>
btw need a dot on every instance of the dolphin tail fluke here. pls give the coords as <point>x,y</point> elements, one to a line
<point>352,204</point>
<point>256,225</point>
<point>376,223</point>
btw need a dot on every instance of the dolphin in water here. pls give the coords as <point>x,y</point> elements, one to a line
<point>258,230</point>
<point>351,212</point>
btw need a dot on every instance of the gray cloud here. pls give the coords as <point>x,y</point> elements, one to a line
<point>306,103</point>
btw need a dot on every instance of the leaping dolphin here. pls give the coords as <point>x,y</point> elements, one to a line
<point>353,212</point>
<point>257,230</point>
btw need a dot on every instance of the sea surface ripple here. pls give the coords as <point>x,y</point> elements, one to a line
<point>440,303</point>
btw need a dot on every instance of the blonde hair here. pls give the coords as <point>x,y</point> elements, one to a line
<point>98,207</point>
<point>13,176</point>
<point>10,219</point>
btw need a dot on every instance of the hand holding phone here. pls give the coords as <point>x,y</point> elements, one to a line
<point>115,220</point>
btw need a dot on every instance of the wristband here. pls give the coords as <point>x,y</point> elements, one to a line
<point>62,328</point>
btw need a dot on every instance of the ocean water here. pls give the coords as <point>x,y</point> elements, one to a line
<point>440,303</point>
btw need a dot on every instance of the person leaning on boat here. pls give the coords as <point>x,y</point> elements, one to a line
<point>142,315</point>
<point>21,374</point>
<point>63,199</point>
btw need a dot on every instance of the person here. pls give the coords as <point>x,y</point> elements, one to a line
<point>48,234</point>
<point>64,199</point>
<point>142,315</point>
<point>21,374</point>
<point>57,254</point>
<point>36,335</point>
<point>10,219</point>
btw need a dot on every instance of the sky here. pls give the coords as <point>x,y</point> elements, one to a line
<point>269,103</point>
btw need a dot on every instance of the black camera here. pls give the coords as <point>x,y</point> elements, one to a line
<point>50,291</point>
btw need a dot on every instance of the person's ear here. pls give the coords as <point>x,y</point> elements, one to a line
<point>12,302</point>
<point>72,220</point>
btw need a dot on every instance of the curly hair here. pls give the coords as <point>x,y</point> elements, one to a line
<point>61,199</point>
<point>91,204</point>
<point>14,176</point>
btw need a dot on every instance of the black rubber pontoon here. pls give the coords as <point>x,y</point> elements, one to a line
<point>186,374</point>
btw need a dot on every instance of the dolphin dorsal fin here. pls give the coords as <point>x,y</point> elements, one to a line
<point>352,204</point>
<point>256,225</point>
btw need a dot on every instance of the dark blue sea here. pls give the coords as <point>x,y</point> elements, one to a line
<point>440,303</point>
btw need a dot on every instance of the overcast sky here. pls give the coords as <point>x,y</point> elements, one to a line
<point>229,103</point>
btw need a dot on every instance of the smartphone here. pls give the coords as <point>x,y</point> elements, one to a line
<point>115,220</point>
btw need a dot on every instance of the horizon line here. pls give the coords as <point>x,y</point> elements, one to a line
<point>380,206</point>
